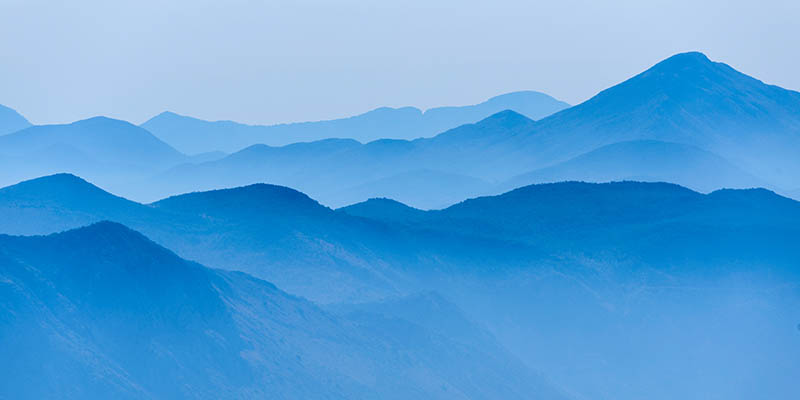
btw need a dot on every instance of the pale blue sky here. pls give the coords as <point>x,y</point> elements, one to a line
<point>277,61</point>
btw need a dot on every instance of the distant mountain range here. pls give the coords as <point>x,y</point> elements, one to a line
<point>193,136</point>
<point>539,266</point>
<point>102,312</point>
<point>114,153</point>
<point>686,120</point>
<point>636,240</point>
<point>11,121</point>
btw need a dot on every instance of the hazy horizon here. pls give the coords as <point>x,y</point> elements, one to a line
<point>266,63</point>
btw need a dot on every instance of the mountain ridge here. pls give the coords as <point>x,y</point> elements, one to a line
<point>380,123</point>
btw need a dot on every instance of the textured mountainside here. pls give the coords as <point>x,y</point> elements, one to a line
<point>570,277</point>
<point>102,312</point>
<point>192,135</point>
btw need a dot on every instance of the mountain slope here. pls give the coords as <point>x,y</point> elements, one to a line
<point>193,135</point>
<point>420,188</point>
<point>11,121</point>
<point>383,209</point>
<point>644,160</point>
<point>647,280</point>
<point>572,277</point>
<point>684,99</point>
<point>103,312</point>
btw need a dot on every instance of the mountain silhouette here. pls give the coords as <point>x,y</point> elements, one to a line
<point>270,231</point>
<point>383,209</point>
<point>334,170</point>
<point>106,312</point>
<point>192,135</point>
<point>109,151</point>
<point>684,99</point>
<point>11,121</point>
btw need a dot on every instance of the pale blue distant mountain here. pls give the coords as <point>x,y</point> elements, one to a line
<point>647,161</point>
<point>102,312</point>
<point>333,170</point>
<point>192,135</point>
<point>11,121</point>
<point>108,151</point>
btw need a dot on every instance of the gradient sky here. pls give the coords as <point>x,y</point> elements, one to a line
<point>277,61</point>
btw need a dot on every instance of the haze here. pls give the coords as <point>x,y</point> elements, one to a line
<point>279,61</point>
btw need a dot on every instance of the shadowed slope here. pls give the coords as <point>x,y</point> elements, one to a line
<point>103,312</point>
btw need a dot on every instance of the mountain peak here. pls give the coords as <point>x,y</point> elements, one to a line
<point>506,117</point>
<point>101,120</point>
<point>104,228</point>
<point>61,182</point>
<point>684,59</point>
<point>238,201</point>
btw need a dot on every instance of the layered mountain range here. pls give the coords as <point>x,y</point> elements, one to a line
<point>194,136</point>
<point>687,120</point>
<point>641,244</point>
<point>569,277</point>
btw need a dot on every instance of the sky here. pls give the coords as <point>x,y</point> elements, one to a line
<point>267,62</point>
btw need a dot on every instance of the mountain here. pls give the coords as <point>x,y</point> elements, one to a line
<point>385,210</point>
<point>572,278</point>
<point>107,150</point>
<point>103,312</point>
<point>270,231</point>
<point>684,99</point>
<point>645,160</point>
<point>60,202</point>
<point>648,280</point>
<point>11,121</point>
<point>192,135</point>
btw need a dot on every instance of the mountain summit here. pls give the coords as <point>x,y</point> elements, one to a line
<point>686,99</point>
